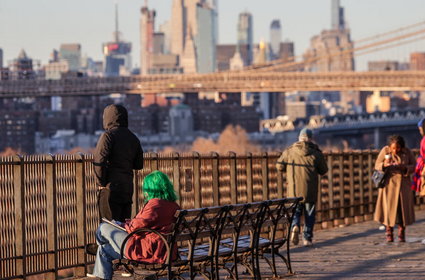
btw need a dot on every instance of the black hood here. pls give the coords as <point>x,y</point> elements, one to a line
<point>115,116</point>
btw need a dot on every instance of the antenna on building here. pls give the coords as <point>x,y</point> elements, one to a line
<point>116,33</point>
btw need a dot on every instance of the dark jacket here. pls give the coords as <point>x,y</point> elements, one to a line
<point>117,153</point>
<point>302,162</point>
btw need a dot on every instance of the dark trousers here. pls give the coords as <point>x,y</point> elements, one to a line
<point>309,211</point>
<point>112,210</point>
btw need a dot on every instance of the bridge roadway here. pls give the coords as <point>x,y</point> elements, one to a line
<point>242,81</point>
<point>357,252</point>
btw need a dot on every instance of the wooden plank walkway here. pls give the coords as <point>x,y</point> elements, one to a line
<point>357,252</point>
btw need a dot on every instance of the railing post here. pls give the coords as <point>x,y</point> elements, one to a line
<point>52,236</point>
<point>215,188</point>
<point>249,185</point>
<point>176,174</point>
<point>330,187</point>
<point>370,189</point>
<point>197,179</point>
<point>81,269</point>
<point>233,183</point>
<point>341,187</point>
<point>264,175</point>
<point>279,179</point>
<point>361,185</point>
<point>19,195</point>
<point>154,161</point>
<point>351,172</point>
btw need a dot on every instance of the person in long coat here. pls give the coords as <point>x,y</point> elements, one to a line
<point>395,200</point>
<point>158,213</point>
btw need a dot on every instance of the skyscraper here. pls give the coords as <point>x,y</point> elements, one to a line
<point>117,53</point>
<point>275,39</point>
<point>194,34</point>
<point>338,21</point>
<point>71,53</point>
<point>245,34</point>
<point>147,28</point>
<point>1,58</point>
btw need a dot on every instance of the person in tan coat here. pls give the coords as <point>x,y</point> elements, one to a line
<point>395,200</point>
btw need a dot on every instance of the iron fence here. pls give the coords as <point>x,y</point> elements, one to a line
<point>49,212</point>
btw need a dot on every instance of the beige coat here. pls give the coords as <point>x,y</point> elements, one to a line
<point>397,186</point>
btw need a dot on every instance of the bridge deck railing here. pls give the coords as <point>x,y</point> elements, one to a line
<point>48,206</point>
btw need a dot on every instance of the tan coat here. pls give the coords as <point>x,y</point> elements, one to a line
<point>397,186</point>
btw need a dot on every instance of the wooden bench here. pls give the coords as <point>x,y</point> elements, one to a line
<point>222,238</point>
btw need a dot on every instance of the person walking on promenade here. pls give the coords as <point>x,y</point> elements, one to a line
<point>303,162</point>
<point>418,184</point>
<point>118,152</point>
<point>158,214</point>
<point>395,200</point>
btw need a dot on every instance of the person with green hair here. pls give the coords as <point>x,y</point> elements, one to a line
<point>158,213</point>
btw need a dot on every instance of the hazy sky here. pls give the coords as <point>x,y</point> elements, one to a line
<point>38,26</point>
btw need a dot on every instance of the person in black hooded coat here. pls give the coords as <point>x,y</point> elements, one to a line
<point>118,152</point>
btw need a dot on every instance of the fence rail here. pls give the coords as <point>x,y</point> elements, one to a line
<point>48,206</point>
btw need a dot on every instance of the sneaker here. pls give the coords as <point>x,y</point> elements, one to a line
<point>89,275</point>
<point>307,243</point>
<point>295,235</point>
<point>91,249</point>
<point>126,274</point>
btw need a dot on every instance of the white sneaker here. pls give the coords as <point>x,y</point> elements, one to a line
<point>126,274</point>
<point>307,243</point>
<point>295,235</point>
<point>89,275</point>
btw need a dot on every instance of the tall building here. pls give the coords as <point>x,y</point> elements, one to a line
<point>147,29</point>
<point>117,58</point>
<point>331,49</point>
<point>417,61</point>
<point>275,39</point>
<point>71,53</point>
<point>338,21</point>
<point>1,58</point>
<point>22,66</point>
<point>245,34</point>
<point>193,36</point>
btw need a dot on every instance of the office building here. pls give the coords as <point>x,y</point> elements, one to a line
<point>22,67</point>
<point>275,39</point>
<point>71,53</point>
<point>337,16</point>
<point>147,28</point>
<point>417,61</point>
<point>17,130</point>
<point>384,65</point>
<point>245,34</point>
<point>1,58</point>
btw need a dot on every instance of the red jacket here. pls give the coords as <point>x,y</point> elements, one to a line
<point>157,214</point>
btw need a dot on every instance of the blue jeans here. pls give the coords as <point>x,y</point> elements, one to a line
<point>109,239</point>
<point>309,210</point>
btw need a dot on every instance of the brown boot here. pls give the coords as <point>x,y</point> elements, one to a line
<point>401,233</point>
<point>389,234</point>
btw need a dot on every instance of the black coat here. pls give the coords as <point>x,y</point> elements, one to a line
<point>118,152</point>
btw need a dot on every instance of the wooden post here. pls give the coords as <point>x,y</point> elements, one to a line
<point>176,174</point>
<point>233,182</point>
<point>215,183</point>
<point>197,179</point>
<point>361,184</point>
<point>330,187</point>
<point>370,184</point>
<point>351,172</point>
<point>264,175</point>
<point>154,161</point>
<point>81,270</point>
<point>341,187</point>
<point>19,195</point>
<point>52,236</point>
<point>249,185</point>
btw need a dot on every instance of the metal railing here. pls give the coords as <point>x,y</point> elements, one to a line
<point>48,206</point>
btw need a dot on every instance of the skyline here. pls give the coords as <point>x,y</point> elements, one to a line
<point>73,22</point>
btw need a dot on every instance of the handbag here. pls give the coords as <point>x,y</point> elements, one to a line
<point>378,178</point>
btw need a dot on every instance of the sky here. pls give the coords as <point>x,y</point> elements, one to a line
<point>39,26</point>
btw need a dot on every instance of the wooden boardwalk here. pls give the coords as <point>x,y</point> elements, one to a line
<point>358,251</point>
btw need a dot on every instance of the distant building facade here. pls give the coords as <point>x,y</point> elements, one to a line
<point>245,33</point>
<point>71,53</point>
<point>385,65</point>
<point>275,39</point>
<point>417,61</point>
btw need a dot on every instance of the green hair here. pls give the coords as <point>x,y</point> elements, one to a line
<point>158,185</point>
